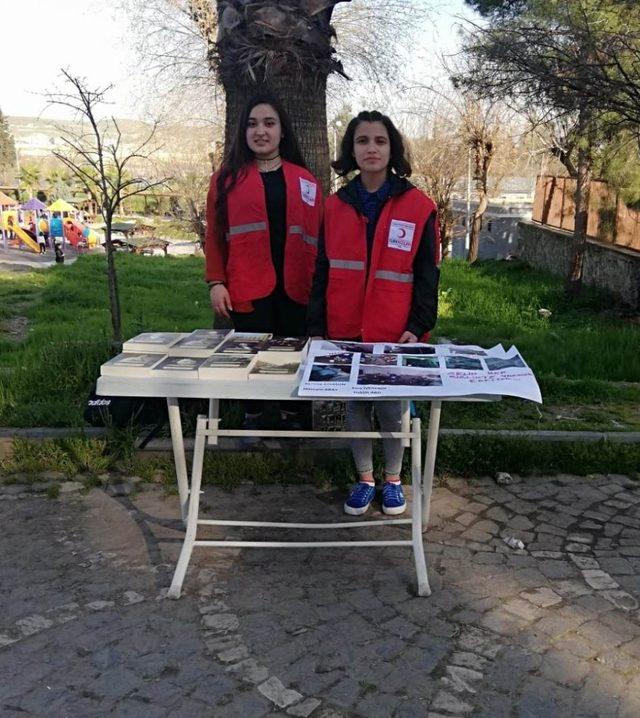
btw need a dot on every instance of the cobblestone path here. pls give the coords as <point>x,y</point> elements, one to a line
<point>549,631</point>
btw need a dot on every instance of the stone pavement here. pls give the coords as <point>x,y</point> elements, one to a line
<point>549,631</point>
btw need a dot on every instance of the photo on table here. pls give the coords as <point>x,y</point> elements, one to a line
<point>465,350</point>
<point>408,349</point>
<point>393,376</point>
<point>514,362</point>
<point>421,362</point>
<point>343,358</point>
<point>349,347</point>
<point>460,362</point>
<point>330,372</point>
<point>379,359</point>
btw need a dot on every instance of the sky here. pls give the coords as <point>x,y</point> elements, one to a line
<point>86,37</point>
<point>94,40</point>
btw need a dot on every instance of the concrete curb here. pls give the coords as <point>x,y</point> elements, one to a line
<point>7,435</point>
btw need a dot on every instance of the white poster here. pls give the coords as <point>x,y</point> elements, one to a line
<point>352,370</point>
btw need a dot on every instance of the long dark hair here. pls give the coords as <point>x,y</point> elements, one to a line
<point>240,156</point>
<point>398,161</point>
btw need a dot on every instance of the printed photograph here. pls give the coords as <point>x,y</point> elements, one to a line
<point>514,362</point>
<point>390,376</point>
<point>473,352</point>
<point>422,362</point>
<point>179,363</point>
<point>408,349</point>
<point>461,362</point>
<point>230,361</point>
<point>250,337</point>
<point>350,347</point>
<point>379,359</point>
<point>235,346</point>
<point>285,344</point>
<point>329,372</point>
<point>342,358</point>
<point>139,360</point>
<point>263,367</point>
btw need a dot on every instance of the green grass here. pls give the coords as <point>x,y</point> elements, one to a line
<point>586,355</point>
<point>45,379</point>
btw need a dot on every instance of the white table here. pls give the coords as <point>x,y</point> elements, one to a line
<point>208,431</point>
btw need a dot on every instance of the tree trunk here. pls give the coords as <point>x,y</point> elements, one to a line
<point>476,226</point>
<point>446,219</point>
<point>573,283</point>
<point>114,296</point>
<point>483,149</point>
<point>304,99</point>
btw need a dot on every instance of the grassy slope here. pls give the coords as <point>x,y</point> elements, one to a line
<point>46,379</point>
<point>586,358</point>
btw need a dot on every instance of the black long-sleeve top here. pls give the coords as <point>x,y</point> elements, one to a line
<point>426,275</point>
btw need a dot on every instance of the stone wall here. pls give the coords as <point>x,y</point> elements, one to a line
<point>613,269</point>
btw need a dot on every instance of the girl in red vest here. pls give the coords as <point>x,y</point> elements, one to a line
<point>263,218</point>
<point>376,279</point>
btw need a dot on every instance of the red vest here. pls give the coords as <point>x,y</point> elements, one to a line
<point>250,271</point>
<point>373,305</point>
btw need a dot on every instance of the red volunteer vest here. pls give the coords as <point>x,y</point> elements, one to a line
<point>250,271</point>
<point>373,305</point>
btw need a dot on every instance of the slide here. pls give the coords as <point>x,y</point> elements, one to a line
<point>74,233</point>
<point>26,238</point>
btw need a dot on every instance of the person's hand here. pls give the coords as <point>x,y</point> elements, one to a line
<point>220,300</point>
<point>408,338</point>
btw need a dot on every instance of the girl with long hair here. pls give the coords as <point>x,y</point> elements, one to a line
<point>263,217</point>
<point>376,279</point>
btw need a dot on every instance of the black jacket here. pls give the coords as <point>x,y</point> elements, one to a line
<point>426,275</point>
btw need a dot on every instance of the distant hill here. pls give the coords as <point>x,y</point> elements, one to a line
<point>36,138</point>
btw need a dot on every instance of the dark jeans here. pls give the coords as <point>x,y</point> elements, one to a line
<point>279,315</point>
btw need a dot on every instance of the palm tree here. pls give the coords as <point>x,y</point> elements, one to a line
<point>284,48</point>
<point>29,179</point>
<point>59,183</point>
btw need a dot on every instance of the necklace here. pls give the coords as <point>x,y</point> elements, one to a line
<point>270,164</point>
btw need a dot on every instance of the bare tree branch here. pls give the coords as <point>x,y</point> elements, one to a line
<point>99,160</point>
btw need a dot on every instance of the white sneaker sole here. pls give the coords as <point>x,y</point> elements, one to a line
<point>394,510</point>
<point>355,512</point>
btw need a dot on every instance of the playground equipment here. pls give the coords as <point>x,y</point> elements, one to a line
<point>7,209</point>
<point>26,237</point>
<point>78,234</point>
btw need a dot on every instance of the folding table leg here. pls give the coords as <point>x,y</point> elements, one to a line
<point>214,413</point>
<point>406,422</point>
<point>180,461</point>
<point>194,507</point>
<point>430,460</point>
<point>416,516</point>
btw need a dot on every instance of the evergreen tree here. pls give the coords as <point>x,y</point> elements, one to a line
<point>7,147</point>
<point>576,59</point>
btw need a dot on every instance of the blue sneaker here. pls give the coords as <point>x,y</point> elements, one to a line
<point>360,498</point>
<point>393,499</point>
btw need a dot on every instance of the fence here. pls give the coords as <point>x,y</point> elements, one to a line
<point>610,221</point>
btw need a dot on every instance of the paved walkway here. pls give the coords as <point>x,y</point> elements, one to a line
<point>549,631</point>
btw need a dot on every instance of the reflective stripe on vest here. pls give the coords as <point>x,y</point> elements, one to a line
<point>345,264</point>
<point>295,229</point>
<point>394,276</point>
<point>242,228</point>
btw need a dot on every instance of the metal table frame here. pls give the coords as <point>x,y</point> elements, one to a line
<point>208,432</point>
